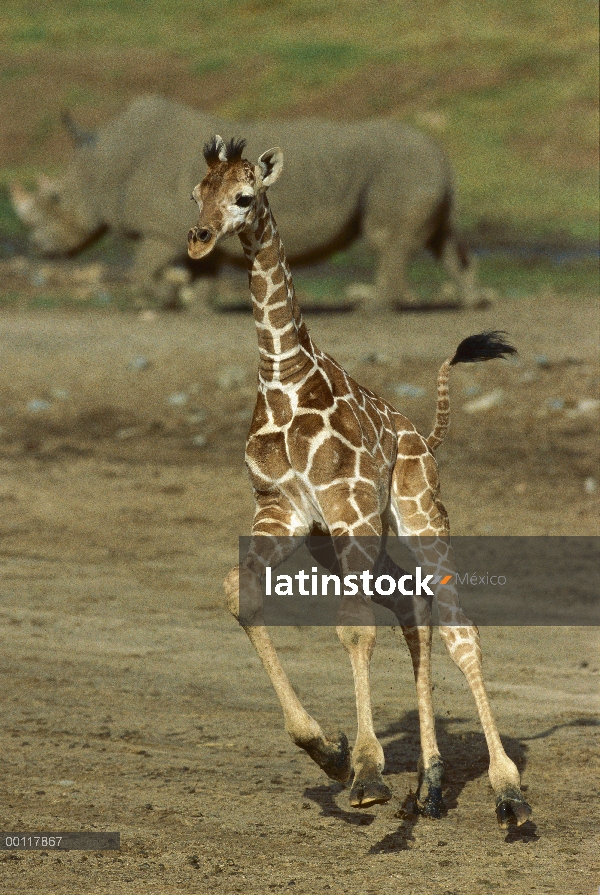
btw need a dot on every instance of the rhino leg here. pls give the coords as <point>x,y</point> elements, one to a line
<point>395,251</point>
<point>462,270</point>
<point>152,256</point>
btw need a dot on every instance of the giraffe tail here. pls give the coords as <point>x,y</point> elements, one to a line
<point>474,349</point>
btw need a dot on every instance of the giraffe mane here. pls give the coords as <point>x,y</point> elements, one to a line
<point>233,150</point>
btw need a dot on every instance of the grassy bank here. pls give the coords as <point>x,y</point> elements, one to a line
<point>509,88</point>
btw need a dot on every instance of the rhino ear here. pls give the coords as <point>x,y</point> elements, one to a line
<point>271,165</point>
<point>78,135</point>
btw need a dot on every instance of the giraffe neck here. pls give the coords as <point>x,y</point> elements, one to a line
<point>284,345</point>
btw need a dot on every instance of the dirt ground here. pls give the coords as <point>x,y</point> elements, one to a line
<point>132,702</point>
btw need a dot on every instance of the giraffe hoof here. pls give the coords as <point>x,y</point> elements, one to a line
<point>433,804</point>
<point>371,792</point>
<point>512,812</point>
<point>332,757</point>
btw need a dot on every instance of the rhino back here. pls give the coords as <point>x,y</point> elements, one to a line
<point>146,162</point>
<point>334,173</point>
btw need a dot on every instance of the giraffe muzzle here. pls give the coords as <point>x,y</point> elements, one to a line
<point>200,242</point>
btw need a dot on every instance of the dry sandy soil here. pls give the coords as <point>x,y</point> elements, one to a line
<point>132,702</point>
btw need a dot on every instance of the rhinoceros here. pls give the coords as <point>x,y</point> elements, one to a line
<point>378,178</point>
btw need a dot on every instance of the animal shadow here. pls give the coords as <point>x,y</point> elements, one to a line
<point>465,758</point>
<point>324,796</point>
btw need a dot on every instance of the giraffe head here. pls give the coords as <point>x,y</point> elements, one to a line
<point>230,194</point>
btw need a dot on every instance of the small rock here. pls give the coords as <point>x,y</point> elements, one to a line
<point>585,405</point>
<point>178,399</point>
<point>374,357</point>
<point>542,360</point>
<point>19,264</point>
<point>529,376</point>
<point>177,276</point>
<point>406,390</point>
<point>38,278</point>
<point>91,273</point>
<point>448,290</point>
<point>199,440</point>
<point>555,403</point>
<point>198,416</point>
<point>360,292</point>
<point>66,783</point>
<point>59,394</point>
<point>187,295</point>
<point>492,399</point>
<point>38,405</point>
<point>139,363</point>
<point>124,434</point>
<point>148,316</point>
<point>231,377</point>
<point>590,486</point>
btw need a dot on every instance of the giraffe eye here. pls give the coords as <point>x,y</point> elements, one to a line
<point>244,201</point>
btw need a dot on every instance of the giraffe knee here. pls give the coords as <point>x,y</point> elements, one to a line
<point>243,595</point>
<point>362,637</point>
<point>463,644</point>
<point>232,592</point>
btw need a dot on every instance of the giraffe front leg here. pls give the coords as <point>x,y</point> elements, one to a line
<point>357,544</point>
<point>332,755</point>
<point>414,617</point>
<point>368,761</point>
<point>464,647</point>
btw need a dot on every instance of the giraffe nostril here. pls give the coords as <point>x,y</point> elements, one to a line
<point>204,235</point>
<point>191,235</point>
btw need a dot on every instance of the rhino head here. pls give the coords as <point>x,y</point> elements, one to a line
<point>58,212</point>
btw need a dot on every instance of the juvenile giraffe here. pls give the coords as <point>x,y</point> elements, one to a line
<point>328,455</point>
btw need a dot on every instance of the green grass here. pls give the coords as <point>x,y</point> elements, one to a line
<point>516,277</point>
<point>510,276</point>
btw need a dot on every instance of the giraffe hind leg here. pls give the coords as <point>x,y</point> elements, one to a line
<point>512,809</point>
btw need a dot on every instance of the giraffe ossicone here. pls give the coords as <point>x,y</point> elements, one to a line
<point>326,455</point>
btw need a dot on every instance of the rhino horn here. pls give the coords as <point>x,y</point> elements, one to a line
<point>22,202</point>
<point>79,136</point>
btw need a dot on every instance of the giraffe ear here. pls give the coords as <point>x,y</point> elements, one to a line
<point>271,165</point>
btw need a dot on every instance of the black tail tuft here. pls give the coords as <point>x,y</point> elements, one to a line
<point>483,346</point>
